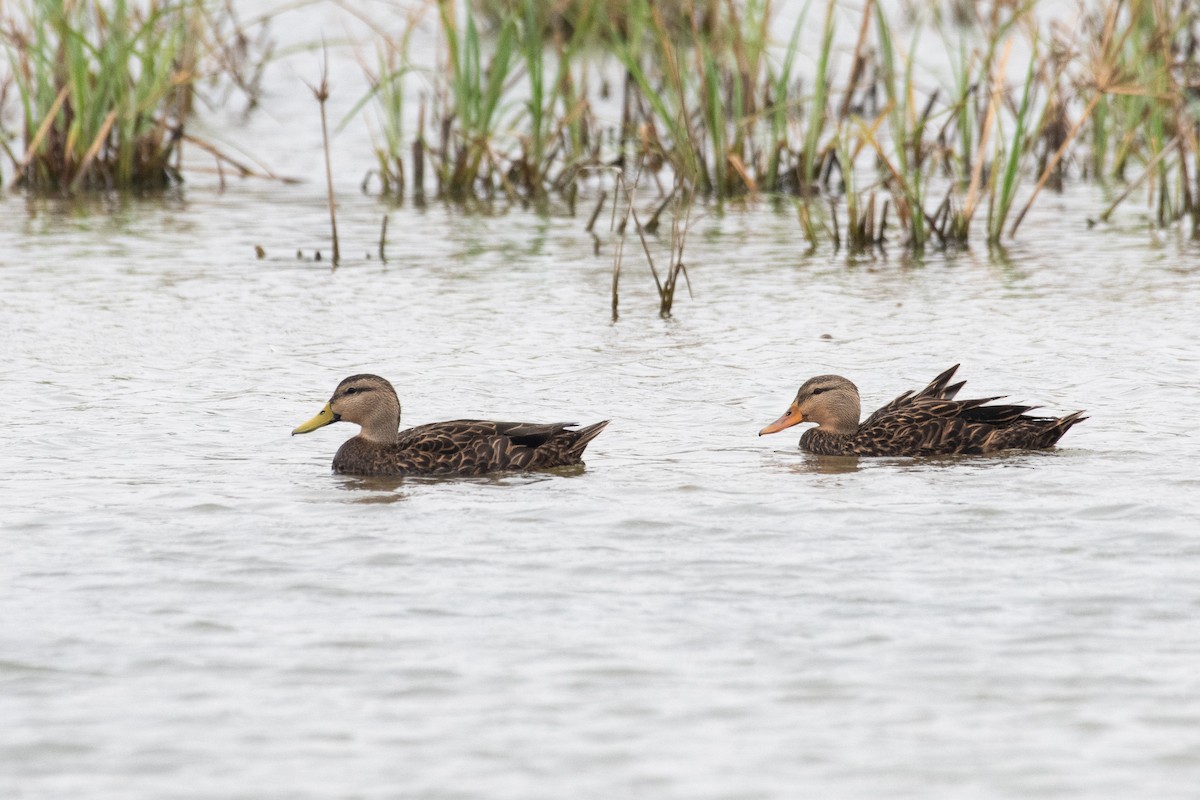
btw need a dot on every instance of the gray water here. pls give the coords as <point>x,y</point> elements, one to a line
<point>192,606</point>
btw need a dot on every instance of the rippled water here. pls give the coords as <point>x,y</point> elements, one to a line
<point>192,606</point>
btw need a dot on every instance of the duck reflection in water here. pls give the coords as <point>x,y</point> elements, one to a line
<point>388,486</point>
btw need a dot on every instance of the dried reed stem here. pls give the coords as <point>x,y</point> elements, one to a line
<point>321,92</point>
<point>985,134</point>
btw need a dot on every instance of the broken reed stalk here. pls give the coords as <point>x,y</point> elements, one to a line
<point>383,239</point>
<point>93,151</point>
<point>859,62</point>
<point>596,211</point>
<point>679,232</point>
<point>321,93</point>
<point>42,130</point>
<point>619,250</point>
<point>675,267</point>
<point>665,285</point>
<point>1128,190</point>
<point>243,170</point>
<point>652,224</point>
<point>804,215</point>
<point>418,153</point>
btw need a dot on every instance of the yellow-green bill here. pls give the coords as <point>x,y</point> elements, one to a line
<point>322,419</point>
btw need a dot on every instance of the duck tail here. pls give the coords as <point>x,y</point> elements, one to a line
<point>1060,426</point>
<point>584,436</point>
<point>1028,433</point>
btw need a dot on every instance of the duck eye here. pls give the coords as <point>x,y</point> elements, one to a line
<point>351,390</point>
<point>817,391</point>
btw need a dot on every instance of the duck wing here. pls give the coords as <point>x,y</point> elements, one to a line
<point>932,422</point>
<point>473,447</point>
<point>445,437</point>
<point>939,388</point>
<point>932,426</point>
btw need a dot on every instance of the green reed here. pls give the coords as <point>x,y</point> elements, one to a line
<point>817,113</point>
<point>101,91</point>
<point>387,90</point>
<point>779,82</point>
<point>906,127</point>
<point>1159,40</point>
<point>711,106</point>
<point>558,124</point>
<point>511,118</point>
<point>104,90</point>
<point>475,93</point>
<point>533,48</point>
<point>1008,161</point>
<point>655,68</point>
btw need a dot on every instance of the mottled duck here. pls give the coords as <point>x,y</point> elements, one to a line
<point>925,423</point>
<point>456,447</point>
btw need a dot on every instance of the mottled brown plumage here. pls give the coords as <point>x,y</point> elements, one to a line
<point>457,447</point>
<point>925,423</point>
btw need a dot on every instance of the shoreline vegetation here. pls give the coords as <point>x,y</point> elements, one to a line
<point>582,100</point>
<point>103,91</point>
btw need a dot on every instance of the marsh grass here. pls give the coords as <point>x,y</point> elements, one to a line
<point>1124,83</point>
<point>714,102</point>
<point>104,90</point>
<point>100,93</point>
<point>387,90</point>
<point>1144,76</point>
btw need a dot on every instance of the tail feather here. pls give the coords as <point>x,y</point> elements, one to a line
<point>584,436</point>
<point>1053,429</point>
<point>1063,424</point>
<point>1031,433</point>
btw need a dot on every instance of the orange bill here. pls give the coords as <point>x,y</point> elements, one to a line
<point>790,417</point>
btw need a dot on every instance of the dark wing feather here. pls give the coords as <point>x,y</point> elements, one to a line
<point>468,447</point>
<point>938,389</point>
<point>995,415</point>
<point>919,426</point>
<point>932,422</point>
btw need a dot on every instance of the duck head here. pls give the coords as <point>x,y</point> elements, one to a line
<point>366,400</point>
<point>831,401</point>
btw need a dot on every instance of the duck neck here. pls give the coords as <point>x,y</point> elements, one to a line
<point>841,418</point>
<point>383,424</point>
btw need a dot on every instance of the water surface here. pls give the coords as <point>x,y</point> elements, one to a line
<point>192,606</point>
